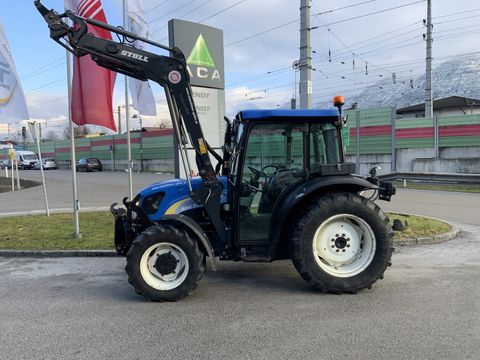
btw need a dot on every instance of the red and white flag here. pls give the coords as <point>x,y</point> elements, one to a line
<point>92,85</point>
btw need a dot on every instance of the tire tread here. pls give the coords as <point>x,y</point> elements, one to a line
<point>297,241</point>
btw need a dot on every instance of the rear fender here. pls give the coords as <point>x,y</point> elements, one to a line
<point>291,202</point>
<point>195,230</point>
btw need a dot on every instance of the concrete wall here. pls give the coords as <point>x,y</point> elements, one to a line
<point>406,157</point>
<point>460,152</point>
<point>165,166</point>
<point>464,160</point>
<point>369,161</point>
<point>460,166</point>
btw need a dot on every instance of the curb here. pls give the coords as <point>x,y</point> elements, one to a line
<point>111,253</point>
<point>53,211</point>
<point>56,253</point>
<point>430,239</point>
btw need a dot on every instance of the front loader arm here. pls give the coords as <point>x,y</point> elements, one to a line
<point>168,71</point>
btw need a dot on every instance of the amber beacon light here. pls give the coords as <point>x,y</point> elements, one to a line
<point>338,101</point>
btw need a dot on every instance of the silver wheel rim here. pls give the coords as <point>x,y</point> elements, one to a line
<point>344,245</point>
<point>166,281</point>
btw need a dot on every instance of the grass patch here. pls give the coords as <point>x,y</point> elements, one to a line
<point>418,226</point>
<point>39,232</point>
<point>55,232</point>
<point>470,188</point>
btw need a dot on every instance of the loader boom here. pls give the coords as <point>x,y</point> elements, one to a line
<point>170,72</point>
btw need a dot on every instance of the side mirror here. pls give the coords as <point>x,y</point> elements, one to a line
<point>373,171</point>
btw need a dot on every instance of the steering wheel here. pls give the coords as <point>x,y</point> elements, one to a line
<point>257,173</point>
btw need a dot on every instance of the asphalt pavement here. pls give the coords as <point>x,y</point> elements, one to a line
<point>426,307</point>
<point>95,189</point>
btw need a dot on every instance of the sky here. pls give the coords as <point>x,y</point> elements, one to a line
<point>354,42</point>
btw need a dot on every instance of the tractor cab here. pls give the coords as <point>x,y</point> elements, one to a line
<point>274,153</point>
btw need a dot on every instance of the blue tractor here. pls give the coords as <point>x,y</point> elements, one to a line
<point>281,189</point>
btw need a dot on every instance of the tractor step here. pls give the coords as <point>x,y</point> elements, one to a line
<point>255,254</point>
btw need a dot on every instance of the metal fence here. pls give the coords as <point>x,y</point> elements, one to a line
<point>375,132</point>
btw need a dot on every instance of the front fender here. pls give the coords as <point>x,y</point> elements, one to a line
<point>197,231</point>
<point>290,203</point>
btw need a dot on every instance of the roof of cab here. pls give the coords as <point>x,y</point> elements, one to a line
<point>286,113</point>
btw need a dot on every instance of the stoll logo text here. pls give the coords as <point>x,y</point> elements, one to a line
<point>134,55</point>
<point>203,60</point>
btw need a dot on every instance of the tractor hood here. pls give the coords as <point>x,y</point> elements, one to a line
<point>173,196</point>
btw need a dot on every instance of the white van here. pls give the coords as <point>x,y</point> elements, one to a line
<point>26,159</point>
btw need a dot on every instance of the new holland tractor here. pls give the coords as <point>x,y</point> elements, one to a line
<point>281,189</point>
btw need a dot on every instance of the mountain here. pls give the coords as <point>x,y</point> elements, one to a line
<point>458,77</point>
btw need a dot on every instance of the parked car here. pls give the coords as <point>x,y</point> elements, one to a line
<point>89,164</point>
<point>5,164</point>
<point>48,163</point>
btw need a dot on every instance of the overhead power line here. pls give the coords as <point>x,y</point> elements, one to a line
<point>44,68</point>
<point>47,85</point>
<point>207,18</point>
<point>324,25</point>
<point>373,13</point>
<point>171,12</point>
<point>223,10</point>
<point>453,20</point>
<point>341,8</point>
<point>156,6</point>
<point>457,13</point>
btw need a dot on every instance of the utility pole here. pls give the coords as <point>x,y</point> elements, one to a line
<point>305,56</point>
<point>428,60</point>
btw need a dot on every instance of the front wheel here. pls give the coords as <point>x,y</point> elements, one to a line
<point>341,243</point>
<point>164,263</point>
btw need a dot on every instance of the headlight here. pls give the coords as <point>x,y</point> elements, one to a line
<point>151,203</point>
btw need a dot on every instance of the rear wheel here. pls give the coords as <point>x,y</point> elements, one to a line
<point>164,263</point>
<point>342,243</point>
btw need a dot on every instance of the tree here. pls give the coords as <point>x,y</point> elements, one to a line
<point>78,131</point>
<point>51,136</point>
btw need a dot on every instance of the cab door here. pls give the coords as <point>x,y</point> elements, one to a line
<point>272,161</point>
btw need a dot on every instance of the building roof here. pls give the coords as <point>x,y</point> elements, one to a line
<point>448,102</point>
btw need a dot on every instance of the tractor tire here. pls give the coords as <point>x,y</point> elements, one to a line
<point>341,243</point>
<point>164,263</point>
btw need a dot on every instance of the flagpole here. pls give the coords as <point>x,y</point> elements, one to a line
<point>127,115</point>
<point>76,203</point>
<point>37,136</point>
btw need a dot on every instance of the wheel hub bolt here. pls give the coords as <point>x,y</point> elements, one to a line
<point>343,250</point>
<point>333,246</point>
<point>337,250</point>
<point>348,245</point>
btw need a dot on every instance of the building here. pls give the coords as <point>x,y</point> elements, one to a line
<point>449,106</point>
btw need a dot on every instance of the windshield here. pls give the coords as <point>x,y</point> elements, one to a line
<point>236,148</point>
<point>29,157</point>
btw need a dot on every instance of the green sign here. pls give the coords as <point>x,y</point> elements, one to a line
<point>203,49</point>
<point>200,54</point>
